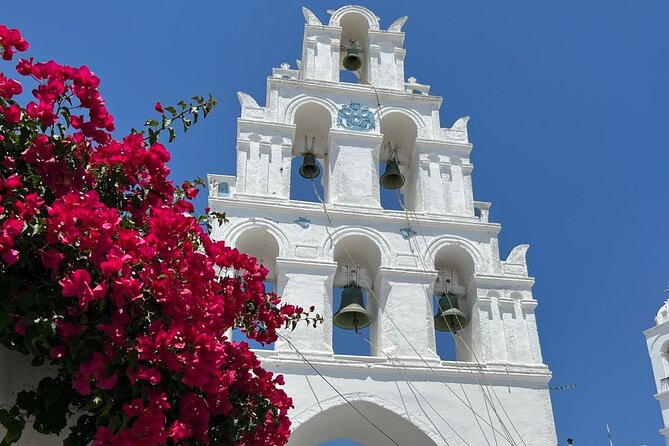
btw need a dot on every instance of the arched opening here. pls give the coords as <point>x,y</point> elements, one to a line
<point>329,424</point>
<point>354,46</point>
<point>262,245</point>
<point>399,139</point>
<point>358,260</point>
<point>312,128</point>
<point>452,303</point>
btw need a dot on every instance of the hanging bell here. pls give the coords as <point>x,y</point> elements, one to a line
<point>309,168</point>
<point>352,61</point>
<point>352,314</point>
<point>392,178</point>
<point>449,317</point>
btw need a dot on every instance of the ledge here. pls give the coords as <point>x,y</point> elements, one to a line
<point>291,207</point>
<point>413,367</point>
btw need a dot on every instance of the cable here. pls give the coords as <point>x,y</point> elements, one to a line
<point>371,292</point>
<point>335,389</point>
<point>463,340</point>
<point>468,404</point>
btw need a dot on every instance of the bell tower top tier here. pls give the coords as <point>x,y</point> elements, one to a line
<point>353,35</point>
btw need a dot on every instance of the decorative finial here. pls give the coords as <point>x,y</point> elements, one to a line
<point>412,80</point>
<point>285,65</point>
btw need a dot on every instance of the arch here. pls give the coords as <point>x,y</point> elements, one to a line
<point>439,243</point>
<point>369,16</point>
<point>300,100</point>
<point>417,119</point>
<point>328,247</point>
<point>312,127</point>
<point>323,421</point>
<point>238,229</point>
<point>399,132</point>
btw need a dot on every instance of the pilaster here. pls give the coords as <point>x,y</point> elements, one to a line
<point>405,301</point>
<point>353,173</point>
<point>307,283</point>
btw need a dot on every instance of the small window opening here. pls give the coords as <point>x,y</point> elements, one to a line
<point>223,189</point>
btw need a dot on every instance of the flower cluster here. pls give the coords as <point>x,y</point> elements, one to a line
<point>105,274</point>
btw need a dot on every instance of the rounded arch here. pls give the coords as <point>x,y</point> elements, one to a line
<point>272,229</point>
<point>330,243</point>
<point>298,101</point>
<point>416,118</point>
<point>323,421</point>
<point>439,243</point>
<point>369,16</point>
<point>399,132</point>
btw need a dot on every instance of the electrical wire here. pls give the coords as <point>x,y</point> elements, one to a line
<point>463,340</point>
<point>304,358</point>
<point>371,292</point>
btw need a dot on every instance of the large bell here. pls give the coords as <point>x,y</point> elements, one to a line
<point>309,168</point>
<point>352,314</point>
<point>392,178</point>
<point>352,61</point>
<point>449,317</point>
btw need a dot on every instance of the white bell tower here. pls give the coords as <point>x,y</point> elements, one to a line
<point>657,340</point>
<point>495,391</point>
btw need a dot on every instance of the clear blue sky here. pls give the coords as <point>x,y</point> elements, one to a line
<point>569,115</point>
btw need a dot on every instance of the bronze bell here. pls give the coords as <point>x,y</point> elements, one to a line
<point>392,178</point>
<point>352,61</point>
<point>352,313</point>
<point>449,317</point>
<point>309,168</point>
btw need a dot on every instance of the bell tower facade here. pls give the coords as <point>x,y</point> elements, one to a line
<point>432,265</point>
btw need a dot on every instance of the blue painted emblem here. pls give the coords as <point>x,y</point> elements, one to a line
<point>355,116</point>
<point>407,233</point>
<point>303,222</point>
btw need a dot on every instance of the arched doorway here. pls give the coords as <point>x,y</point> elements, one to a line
<point>343,423</point>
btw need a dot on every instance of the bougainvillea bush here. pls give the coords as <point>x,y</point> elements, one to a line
<point>108,279</point>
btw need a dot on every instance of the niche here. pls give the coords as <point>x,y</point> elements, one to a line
<point>399,138</point>
<point>312,128</point>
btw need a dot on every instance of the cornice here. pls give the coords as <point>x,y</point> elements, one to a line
<point>358,88</point>
<point>292,207</point>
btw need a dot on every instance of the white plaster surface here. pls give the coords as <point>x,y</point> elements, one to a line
<point>404,387</point>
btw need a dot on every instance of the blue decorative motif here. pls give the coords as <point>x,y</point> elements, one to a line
<point>407,233</point>
<point>303,222</point>
<point>354,116</point>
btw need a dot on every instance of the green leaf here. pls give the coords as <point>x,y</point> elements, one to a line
<point>5,319</point>
<point>172,133</point>
<point>14,426</point>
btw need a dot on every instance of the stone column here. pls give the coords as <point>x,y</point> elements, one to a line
<point>305,284</point>
<point>353,173</point>
<point>405,301</point>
